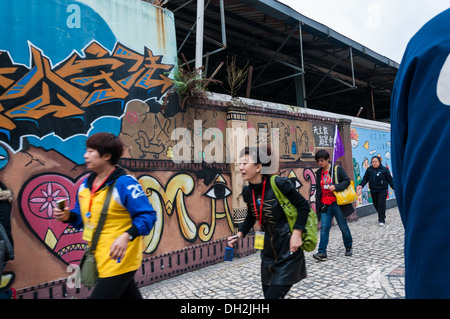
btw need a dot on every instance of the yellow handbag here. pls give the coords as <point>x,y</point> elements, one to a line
<point>348,195</point>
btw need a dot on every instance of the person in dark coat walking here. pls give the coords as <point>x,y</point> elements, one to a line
<point>282,259</point>
<point>379,179</point>
<point>6,241</point>
<point>326,206</point>
<point>6,198</point>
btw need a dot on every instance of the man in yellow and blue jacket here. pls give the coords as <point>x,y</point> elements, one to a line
<point>129,211</point>
<point>129,217</point>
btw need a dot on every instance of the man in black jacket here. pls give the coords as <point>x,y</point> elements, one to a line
<point>379,178</point>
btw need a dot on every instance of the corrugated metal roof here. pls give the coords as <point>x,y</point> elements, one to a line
<point>265,33</point>
<point>291,16</point>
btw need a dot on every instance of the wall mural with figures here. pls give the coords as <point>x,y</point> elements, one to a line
<point>169,198</point>
<point>53,97</point>
<point>367,143</point>
<point>109,73</point>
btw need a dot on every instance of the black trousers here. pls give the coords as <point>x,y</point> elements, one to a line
<point>117,287</point>
<point>275,291</point>
<point>379,202</point>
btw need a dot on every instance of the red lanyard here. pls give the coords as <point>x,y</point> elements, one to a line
<point>94,190</point>
<point>262,201</point>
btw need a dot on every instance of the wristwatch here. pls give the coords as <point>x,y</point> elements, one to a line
<point>130,237</point>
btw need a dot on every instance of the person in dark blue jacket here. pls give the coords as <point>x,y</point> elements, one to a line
<point>420,136</point>
<point>379,179</point>
<point>6,242</point>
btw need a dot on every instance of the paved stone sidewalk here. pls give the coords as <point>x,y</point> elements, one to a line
<point>375,271</point>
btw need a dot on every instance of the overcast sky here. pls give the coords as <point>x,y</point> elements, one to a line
<point>384,26</point>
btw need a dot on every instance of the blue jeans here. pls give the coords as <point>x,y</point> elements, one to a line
<point>325,220</point>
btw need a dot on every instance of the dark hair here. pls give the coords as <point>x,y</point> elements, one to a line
<point>255,154</point>
<point>322,154</point>
<point>106,143</point>
<point>377,157</point>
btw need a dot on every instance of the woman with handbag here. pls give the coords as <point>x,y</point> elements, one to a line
<point>129,216</point>
<point>379,179</point>
<point>327,206</point>
<point>282,260</point>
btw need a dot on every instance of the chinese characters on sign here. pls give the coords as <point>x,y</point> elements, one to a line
<point>323,135</point>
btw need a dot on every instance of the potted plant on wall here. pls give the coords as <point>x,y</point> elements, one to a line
<point>235,78</point>
<point>189,87</point>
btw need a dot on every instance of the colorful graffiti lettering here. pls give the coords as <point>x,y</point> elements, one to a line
<point>309,175</point>
<point>172,198</point>
<point>39,196</point>
<point>66,99</point>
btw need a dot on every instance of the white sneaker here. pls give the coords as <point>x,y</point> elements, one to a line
<point>381,224</point>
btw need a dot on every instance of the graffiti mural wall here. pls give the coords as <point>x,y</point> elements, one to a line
<point>367,143</point>
<point>55,96</point>
<point>62,80</point>
<point>105,66</point>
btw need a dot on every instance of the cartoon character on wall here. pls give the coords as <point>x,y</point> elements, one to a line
<point>376,143</point>
<point>354,137</point>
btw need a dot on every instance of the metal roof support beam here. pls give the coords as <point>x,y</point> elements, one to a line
<point>328,74</point>
<point>275,54</point>
<point>284,63</point>
<point>301,69</point>
<point>325,76</point>
<point>187,36</point>
<point>222,46</point>
<point>277,80</point>
<point>332,93</point>
<point>370,102</point>
<point>182,6</point>
<point>353,66</point>
<point>184,27</point>
<point>199,34</point>
<point>222,23</point>
<point>303,93</point>
<point>204,36</point>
